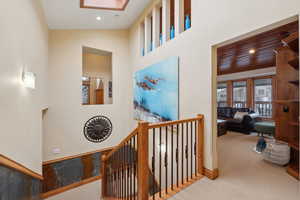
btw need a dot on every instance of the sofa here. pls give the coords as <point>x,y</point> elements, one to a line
<point>242,125</point>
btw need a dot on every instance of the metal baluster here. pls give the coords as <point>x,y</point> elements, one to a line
<point>119,174</point>
<point>153,163</point>
<point>130,169</point>
<point>191,150</point>
<point>134,170</point>
<point>172,157</point>
<point>115,174</point>
<point>109,183</point>
<point>186,151</point>
<point>166,160</point>
<point>127,170</point>
<point>195,148</point>
<point>109,179</point>
<point>114,185</point>
<point>177,155</point>
<point>112,176</point>
<point>123,173</point>
<point>160,161</point>
<point>182,154</point>
<point>118,180</point>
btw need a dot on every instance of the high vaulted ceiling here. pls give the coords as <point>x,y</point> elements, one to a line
<point>67,14</point>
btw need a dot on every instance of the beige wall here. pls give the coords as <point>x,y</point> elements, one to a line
<point>66,116</point>
<point>89,191</point>
<point>213,22</point>
<point>24,43</point>
<point>100,66</point>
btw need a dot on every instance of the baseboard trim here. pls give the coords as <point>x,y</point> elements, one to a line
<point>18,167</point>
<point>69,187</point>
<point>211,174</point>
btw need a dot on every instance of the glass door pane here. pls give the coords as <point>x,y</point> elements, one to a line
<point>240,94</point>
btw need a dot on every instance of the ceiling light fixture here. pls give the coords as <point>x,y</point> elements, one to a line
<point>98,18</point>
<point>252,51</point>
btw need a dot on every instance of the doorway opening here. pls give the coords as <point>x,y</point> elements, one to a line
<point>256,103</point>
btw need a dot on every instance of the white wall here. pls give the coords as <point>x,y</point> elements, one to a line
<point>66,116</point>
<point>214,22</point>
<point>24,43</point>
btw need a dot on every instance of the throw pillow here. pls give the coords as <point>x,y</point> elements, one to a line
<point>240,115</point>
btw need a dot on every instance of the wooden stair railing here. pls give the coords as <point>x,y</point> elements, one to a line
<point>155,161</point>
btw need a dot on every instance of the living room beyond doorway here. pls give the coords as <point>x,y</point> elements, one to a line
<point>257,98</point>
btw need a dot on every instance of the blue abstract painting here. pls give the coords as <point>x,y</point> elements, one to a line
<point>156,92</point>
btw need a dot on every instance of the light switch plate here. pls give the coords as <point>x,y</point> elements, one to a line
<point>56,151</point>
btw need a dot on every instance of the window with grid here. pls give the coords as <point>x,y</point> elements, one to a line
<point>263,97</point>
<point>222,95</point>
<point>240,94</point>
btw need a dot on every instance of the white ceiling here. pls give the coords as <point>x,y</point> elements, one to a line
<point>67,14</point>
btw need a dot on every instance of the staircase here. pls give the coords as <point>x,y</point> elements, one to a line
<point>155,161</point>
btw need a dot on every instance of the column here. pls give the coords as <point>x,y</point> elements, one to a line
<point>147,34</point>
<point>155,25</point>
<point>179,16</point>
<point>166,20</point>
<point>142,39</point>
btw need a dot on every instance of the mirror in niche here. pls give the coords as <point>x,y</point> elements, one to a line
<point>96,77</point>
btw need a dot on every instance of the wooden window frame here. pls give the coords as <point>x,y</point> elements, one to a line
<point>272,77</point>
<point>227,102</point>
<point>250,101</point>
<point>247,94</point>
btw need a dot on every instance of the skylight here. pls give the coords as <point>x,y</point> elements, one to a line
<point>104,4</point>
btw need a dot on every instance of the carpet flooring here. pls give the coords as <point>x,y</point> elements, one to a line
<point>244,175</point>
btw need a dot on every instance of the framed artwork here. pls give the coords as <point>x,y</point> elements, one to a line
<point>156,92</point>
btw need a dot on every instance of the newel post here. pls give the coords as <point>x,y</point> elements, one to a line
<point>143,158</point>
<point>104,177</point>
<point>200,146</point>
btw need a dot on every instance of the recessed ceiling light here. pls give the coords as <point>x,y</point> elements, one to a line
<point>98,18</point>
<point>252,51</point>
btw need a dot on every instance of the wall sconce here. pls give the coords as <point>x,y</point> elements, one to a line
<point>28,79</point>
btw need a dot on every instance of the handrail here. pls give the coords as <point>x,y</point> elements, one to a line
<point>115,149</point>
<point>169,123</point>
<point>127,172</point>
<point>7,162</point>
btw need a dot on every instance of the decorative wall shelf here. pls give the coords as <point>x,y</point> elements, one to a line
<point>294,123</point>
<point>286,101</point>
<point>295,82</point>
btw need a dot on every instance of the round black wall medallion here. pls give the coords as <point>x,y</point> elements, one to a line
<point>97,129</point>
